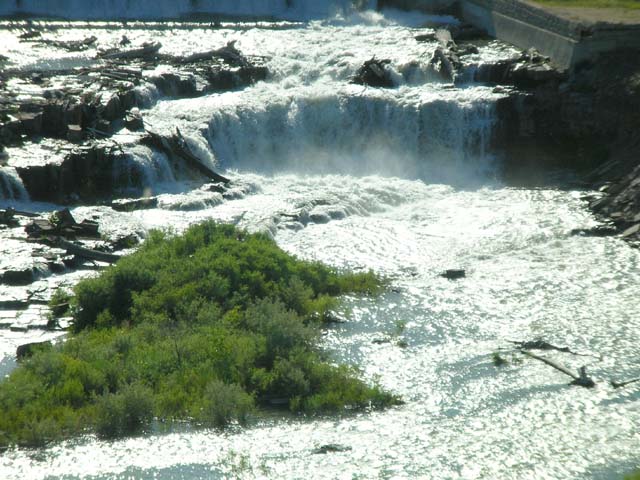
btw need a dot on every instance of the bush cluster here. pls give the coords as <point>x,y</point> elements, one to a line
<point>203,326</point>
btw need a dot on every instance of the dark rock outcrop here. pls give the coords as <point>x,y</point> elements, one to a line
<point>454,274</point>
<point>585,121</point>
<point>528,71</point>
<point>445,63</point>
<point>84,174</point>
<point>620,204</point>
<point>374,73</point>
<point>72,112</point>
<point>20,277</point>
<point>28,349</point>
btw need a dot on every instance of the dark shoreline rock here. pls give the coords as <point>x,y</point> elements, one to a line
<point>28,349</point>
<point>585,121</point>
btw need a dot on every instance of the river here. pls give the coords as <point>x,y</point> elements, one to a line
<point>399,181</point>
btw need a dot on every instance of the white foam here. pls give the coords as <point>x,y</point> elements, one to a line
<point>11,187</point>
<point>158,9</point>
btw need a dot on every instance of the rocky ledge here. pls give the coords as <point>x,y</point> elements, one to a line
<point>76,114</point>
<point>585,121</point>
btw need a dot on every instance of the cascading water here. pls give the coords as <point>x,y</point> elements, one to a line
<point>400,181</point>
<point>11,187</point>
<point>431,138</point>
<point>307,117</point>
<point>163,9</point>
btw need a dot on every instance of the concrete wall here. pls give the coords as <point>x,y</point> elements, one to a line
<point>567,42</point>
<point>524,25</point>
<point>429,6</point>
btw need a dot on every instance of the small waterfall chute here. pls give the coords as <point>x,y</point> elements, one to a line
<point>11,187</point>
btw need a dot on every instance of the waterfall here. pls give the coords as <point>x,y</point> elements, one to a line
<point>162,9</point>
<point>11,187</point>
<point>433,138</point>
<point>142,171</point>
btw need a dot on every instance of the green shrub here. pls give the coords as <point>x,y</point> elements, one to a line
<point>223,403</point>
<point>201,326</point>
<point>59,305</point>
<point>125,412</point>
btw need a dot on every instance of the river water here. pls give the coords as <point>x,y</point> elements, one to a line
<point>398,181</point>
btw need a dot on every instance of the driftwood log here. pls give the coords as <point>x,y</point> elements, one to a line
<point>147,49</point>
<point>229,53</point>
<point>615,384</point>
<point>71,45</point>
<point>62,223</point>
<point>7,217</point>
<point>177,146</point>
<point>581,379</point>
<point>84,252</point>
<point>542,345</point>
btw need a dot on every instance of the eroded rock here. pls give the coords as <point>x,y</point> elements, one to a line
<point>374,73</point>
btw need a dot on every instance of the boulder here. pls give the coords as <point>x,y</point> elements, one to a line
<point>75,133</point>
<point>224,78</point>
<point>20,277</point>
<point>113,109</point>
<point>133,120</point>
<point>445,63</point>
<point>374,73</point>
<point>28,349</point>
<point>176,85</point>
<point>466,32</point>
<point>53,119</point>
<point>31,122</point>
<point>136,204</point>
<point>528,71</point>
<point>425,37</point>
<point>454,274</point>
<point>331,448</point>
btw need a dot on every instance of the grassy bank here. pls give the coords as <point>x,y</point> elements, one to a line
<point>202,327</point>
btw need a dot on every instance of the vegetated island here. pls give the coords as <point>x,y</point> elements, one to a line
<point>200,327</point>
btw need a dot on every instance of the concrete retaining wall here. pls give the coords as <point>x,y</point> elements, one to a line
<point>429,6</point>
<point>567,42</point>
<point>524,25</point>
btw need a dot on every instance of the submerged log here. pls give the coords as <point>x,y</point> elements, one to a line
<point>615,384</point>
<point>581,379</point>
<point>539,344</point>
<point>87,253</point>
<point>183,149</point>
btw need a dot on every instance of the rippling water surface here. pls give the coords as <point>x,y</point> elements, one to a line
<point>400,182</point>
